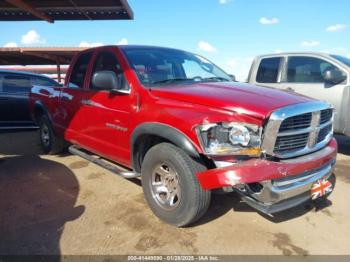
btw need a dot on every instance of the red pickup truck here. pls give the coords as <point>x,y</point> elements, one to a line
<point>181,124</point>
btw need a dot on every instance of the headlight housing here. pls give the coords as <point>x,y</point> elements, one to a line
<point>231,138</point>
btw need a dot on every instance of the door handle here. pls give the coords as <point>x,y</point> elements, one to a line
<point>87,102</point>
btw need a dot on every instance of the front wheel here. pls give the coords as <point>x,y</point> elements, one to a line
<point>171,187</point>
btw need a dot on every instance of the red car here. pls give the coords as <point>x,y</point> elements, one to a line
<point>181,124</point>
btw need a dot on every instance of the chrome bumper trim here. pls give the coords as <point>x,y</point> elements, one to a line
<point>280,194</point>
<point>281,189</point>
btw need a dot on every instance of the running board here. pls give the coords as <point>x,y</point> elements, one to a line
<point>116,169</point>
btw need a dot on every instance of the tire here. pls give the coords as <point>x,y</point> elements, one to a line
<point>50,143</point>
<point>171,187</point>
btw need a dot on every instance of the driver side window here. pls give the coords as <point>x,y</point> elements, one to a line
<point>79,71</point>
<point>107,61</point>
<point>307,70</point>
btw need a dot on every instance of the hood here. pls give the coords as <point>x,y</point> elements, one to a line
<point>242,98</point>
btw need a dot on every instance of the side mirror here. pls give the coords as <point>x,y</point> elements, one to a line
<point>233,78</point>
<point>334,76</point>
<point>106,80</point>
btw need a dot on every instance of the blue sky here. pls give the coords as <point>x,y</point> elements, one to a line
<point>228,32</point>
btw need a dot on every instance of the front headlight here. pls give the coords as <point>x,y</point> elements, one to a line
<point>230,138</point>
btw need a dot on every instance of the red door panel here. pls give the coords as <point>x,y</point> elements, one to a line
<point>106,130</point>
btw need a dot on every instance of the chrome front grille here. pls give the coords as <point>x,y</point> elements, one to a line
<point>299,129</point>
<point>296,122</point>
<point>292,142</point>
<point>326,116</point>
<point>323,133</point>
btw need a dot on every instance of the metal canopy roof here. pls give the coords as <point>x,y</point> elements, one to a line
<point>45,56</point>
<point>37,56</point>
<point>50,11</point>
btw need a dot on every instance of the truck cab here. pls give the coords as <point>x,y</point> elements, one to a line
<point>321,76</point>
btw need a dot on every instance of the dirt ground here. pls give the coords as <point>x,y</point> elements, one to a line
<point>65,205</point>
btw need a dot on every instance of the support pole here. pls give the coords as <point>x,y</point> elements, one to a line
<point>58,71</point>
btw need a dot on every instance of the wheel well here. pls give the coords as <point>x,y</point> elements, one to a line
<point>142,145</point>
<point>147,141</point>
<point>38,112</point>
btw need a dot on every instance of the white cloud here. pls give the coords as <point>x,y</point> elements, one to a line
<point>205,46</point>
<point>267,21</point>
<point>310,43</point>
<point>336,28</point>
<point>123,41</point>
<point>11,44</point>
<point>222,2</point>
<point>88,44</point>
<point>348,56</point>
<point>278,51</point>
<point>32,37</point>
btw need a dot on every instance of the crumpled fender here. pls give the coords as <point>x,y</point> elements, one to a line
<point>257,170</point>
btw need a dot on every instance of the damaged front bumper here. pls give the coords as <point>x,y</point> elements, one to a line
<point>272,186</point>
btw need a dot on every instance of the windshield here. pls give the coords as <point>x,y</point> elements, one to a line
<point>342,59</point>
<point>161,66</point>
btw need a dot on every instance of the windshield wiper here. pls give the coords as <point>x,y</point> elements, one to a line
<point>215,78</point>
<point>171,80</point>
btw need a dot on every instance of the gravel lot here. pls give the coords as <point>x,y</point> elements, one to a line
<point>65,205</point>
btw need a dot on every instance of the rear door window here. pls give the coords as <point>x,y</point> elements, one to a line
<point>307,69</point>
<point>79,71</point>
<point>16,84</point>
<point>268,70</point>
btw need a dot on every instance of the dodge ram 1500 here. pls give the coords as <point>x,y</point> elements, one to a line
<point>181,124</point>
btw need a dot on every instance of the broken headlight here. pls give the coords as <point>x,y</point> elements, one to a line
<point>230,138</point>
